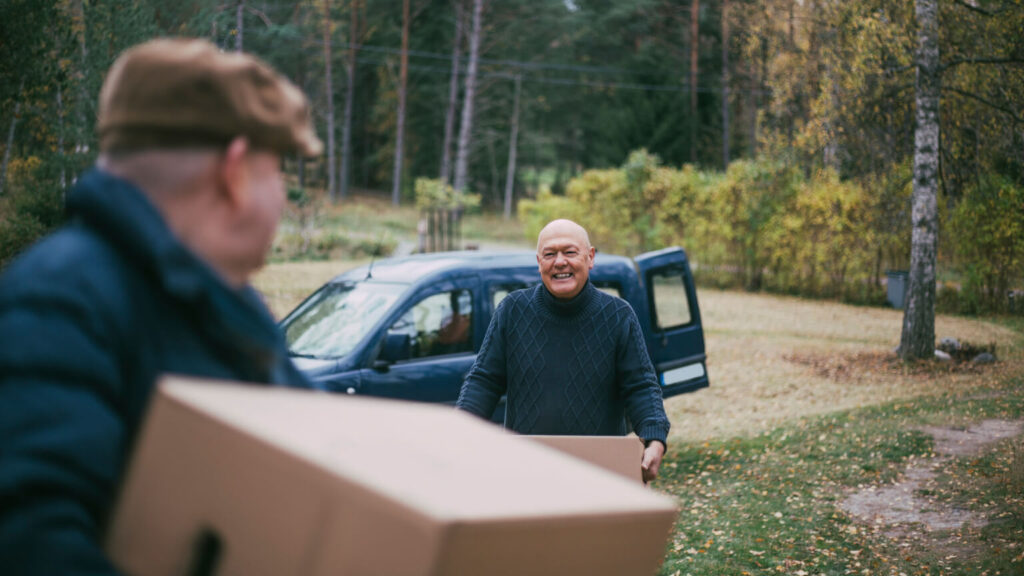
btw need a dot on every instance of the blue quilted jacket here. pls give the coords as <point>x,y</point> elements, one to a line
<point>89,318</point>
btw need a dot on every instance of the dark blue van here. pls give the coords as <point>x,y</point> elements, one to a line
<point>410,327</point>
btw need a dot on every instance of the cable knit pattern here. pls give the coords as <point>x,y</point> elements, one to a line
<point>575,367</point>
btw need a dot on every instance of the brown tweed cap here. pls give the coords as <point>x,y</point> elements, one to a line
<point>173,93</point>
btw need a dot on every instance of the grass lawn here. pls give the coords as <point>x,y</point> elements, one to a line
<point>807,408</point>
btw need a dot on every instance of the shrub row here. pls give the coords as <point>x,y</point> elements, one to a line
<point>768,225</point>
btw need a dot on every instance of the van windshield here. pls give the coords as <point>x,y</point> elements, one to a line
<point>338,316</point>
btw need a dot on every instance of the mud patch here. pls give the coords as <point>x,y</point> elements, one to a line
<point>969,441</point>
<point>904,510</point>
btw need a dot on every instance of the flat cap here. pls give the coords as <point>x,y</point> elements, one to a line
<point>176,92</point>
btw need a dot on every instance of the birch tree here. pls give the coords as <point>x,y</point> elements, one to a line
<point>453,97</point>
<point>466,128</point>
<point>918,337</point>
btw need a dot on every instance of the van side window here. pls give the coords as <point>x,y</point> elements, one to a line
<point>498,293</point>
<point>439,324</point>
<point>671,307</point>
<point>611,288</point>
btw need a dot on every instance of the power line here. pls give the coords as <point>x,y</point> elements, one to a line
<point>445,71</point>
<point>536,66</point>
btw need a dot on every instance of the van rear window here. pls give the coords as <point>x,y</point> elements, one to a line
<point>671,306</point>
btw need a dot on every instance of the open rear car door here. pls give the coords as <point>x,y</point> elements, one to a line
<point>675,339</point>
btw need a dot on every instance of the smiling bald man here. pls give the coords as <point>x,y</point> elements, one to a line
<point>571,359</point>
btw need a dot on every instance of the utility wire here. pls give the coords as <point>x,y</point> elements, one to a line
<point>522,65</point>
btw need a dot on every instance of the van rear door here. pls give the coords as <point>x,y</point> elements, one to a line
<point>676,337</point>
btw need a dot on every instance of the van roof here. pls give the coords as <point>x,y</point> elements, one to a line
<point>410,269</point>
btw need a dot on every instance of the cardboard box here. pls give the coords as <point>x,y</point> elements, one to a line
<point>249,481</point>
<point>619,454</point>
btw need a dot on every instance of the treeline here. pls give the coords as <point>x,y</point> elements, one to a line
<point>766,225</point>
<point>560,87</point>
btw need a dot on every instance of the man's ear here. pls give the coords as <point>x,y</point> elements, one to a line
<point>233,174</point>
<point>593,253</point>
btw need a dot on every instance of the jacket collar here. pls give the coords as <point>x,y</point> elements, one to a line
<point>121,213</point>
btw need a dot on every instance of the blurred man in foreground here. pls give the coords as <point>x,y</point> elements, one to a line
<point>150,275</point>
<point>571,358</point>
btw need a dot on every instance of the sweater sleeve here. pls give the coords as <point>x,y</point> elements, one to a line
<point>638,383</point>
<point>62,440</point>
<point>486,381</point>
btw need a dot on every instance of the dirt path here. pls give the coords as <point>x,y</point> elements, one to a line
<point>903,510</point>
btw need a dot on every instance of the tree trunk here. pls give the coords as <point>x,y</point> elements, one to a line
<point>918,337</point>
<point>466,129</point>
<point>725,84</point>
<point>60,140</point>
<point>332,184</point>
<point>403,80</point>
<point>82,104</point>
<point>350,95</point>
<point>491,136</point>
<point>513,139</point>
<point>694,49</point>
<point>762,102</point>
<point>239,12</point>
<point>792,25</point>
<point>10,139</point>
<point>453,97</point>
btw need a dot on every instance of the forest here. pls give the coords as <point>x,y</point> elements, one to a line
<point>774,139</point>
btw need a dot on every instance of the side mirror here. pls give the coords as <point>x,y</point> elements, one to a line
<point>397,347</point>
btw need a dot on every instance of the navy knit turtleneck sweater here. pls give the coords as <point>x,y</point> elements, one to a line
<point>576,367</point>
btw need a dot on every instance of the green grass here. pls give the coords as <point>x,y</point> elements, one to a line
<point>806,405</point>
<point>768,504</point>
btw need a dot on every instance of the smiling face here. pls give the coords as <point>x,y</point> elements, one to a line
<point>565,258</point>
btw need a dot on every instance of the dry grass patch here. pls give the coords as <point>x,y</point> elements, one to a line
<point>774,359</point>
<point>285,285</point>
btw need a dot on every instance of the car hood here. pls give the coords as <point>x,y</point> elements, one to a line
<point>313,367</point>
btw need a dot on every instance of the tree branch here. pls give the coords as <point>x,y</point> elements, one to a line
<point>988,103</point>
<point>960,61</point>
<point>982,11</point>
<point>260,15</point>
<point>963,4</point>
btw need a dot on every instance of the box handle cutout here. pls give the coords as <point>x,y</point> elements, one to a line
<point>206,553</point>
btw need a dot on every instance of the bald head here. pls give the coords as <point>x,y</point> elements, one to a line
<point>563,228</point>
<point>565,258</point>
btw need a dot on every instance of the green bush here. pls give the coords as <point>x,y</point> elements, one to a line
<point>638,207</point>
<point>987,231</point>
<point>746,204</point>
<point>33,205</point>
<point>431,193</point>
<point>820,242</point>
<point>765,224</point>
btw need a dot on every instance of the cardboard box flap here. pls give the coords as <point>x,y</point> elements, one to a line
<point>622,455</point>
